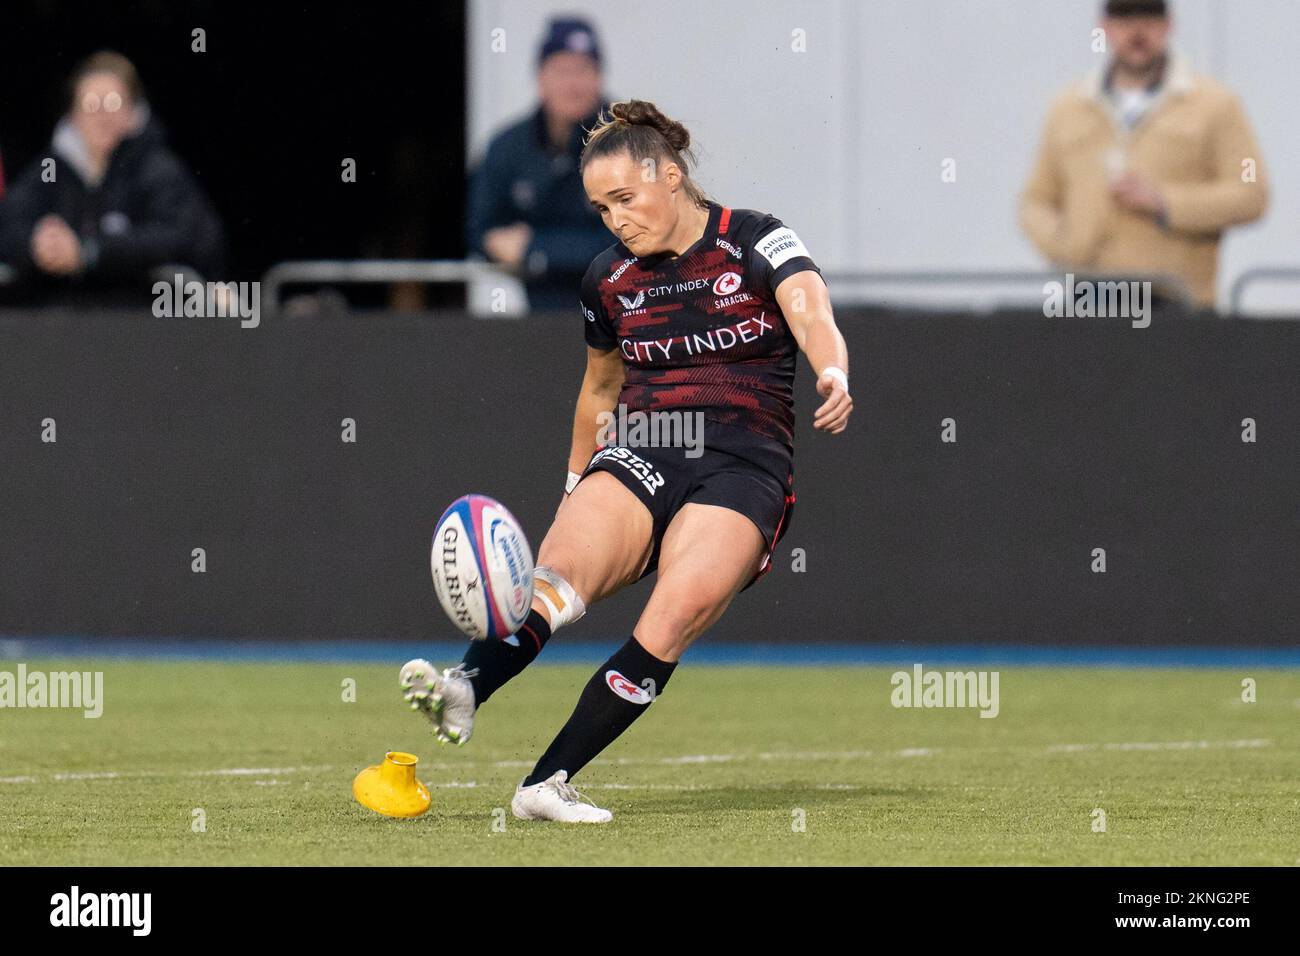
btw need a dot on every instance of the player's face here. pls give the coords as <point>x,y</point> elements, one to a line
<point>1137,42</point>
<point>635,200</point>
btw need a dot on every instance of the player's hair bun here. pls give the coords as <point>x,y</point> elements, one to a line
<point>643,113</point>
<point>638,128</point>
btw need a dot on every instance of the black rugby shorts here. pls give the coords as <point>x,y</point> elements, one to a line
<point>736,469</point>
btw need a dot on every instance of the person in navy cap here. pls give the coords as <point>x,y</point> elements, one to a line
<point>528,211</point>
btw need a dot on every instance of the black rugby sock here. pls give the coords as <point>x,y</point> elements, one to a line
<point>499,661</point>
<point>617,694</point>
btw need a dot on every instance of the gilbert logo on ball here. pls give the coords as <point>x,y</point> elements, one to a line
<point>482,568</point>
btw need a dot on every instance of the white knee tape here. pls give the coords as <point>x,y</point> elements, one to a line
<point>558,595</point>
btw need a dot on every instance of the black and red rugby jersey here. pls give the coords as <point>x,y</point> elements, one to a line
<point>703,330</point>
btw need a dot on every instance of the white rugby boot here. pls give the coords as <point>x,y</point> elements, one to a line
<point>446,698</point>
<point>556,799</point>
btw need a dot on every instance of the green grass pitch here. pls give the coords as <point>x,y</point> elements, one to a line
<point>733,765</point>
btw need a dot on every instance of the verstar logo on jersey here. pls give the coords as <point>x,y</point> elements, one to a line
<point>626,689</point>
<point>726,284</point>
<point>649,476</point>
<point>621,269</point>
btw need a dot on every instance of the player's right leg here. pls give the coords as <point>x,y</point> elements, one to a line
<point>600,541</point>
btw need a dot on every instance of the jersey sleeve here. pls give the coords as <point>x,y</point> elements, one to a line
<point>776,253</point>
<point>597,326</point>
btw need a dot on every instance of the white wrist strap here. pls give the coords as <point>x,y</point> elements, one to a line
<point>835,372</point>
<point>572,482</point>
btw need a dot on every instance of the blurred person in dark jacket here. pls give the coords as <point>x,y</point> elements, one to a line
<point>110,202</point>
<point>528,211</point>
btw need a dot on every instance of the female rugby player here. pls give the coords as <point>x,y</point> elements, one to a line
<point>697,309</point>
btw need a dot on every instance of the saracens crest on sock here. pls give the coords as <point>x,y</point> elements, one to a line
<point>617,694</point>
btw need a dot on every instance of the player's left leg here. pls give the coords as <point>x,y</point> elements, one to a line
<point>601,540</point>
<point>708,554</point>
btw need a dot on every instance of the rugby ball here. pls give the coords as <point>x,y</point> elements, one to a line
<point>482,568</point>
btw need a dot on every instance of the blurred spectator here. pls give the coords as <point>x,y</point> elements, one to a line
<point>114,203</point>
<point>527,208</point>
<point>1144,165</point>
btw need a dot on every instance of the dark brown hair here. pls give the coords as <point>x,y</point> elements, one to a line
<point>107,61</point>
<point>638,128</point>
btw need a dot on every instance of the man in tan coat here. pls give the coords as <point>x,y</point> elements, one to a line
<point>1144,164</point>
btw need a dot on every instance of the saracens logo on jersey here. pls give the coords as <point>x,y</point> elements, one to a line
<point>726,284</point>
<point>626,689</point>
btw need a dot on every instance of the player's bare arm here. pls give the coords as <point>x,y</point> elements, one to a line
<point>601,384</point>
<point>806,304</point>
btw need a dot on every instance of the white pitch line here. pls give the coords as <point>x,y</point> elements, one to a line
<point>254,771</point>
<point>64,776</point>
<point>689,758</point>
<point>790,755</point>
<point>671,787</point>
<point>693,787</point>
<point>685,759</point>
<point>94,775</point>
<point>1163,745</point>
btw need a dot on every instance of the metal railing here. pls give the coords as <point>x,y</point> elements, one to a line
<point>1171,286</point>
<point>442,271</point>
<point>371,271</point>
<point>1253,276</point>
<point>157,273</point>
<point>456,271</point>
